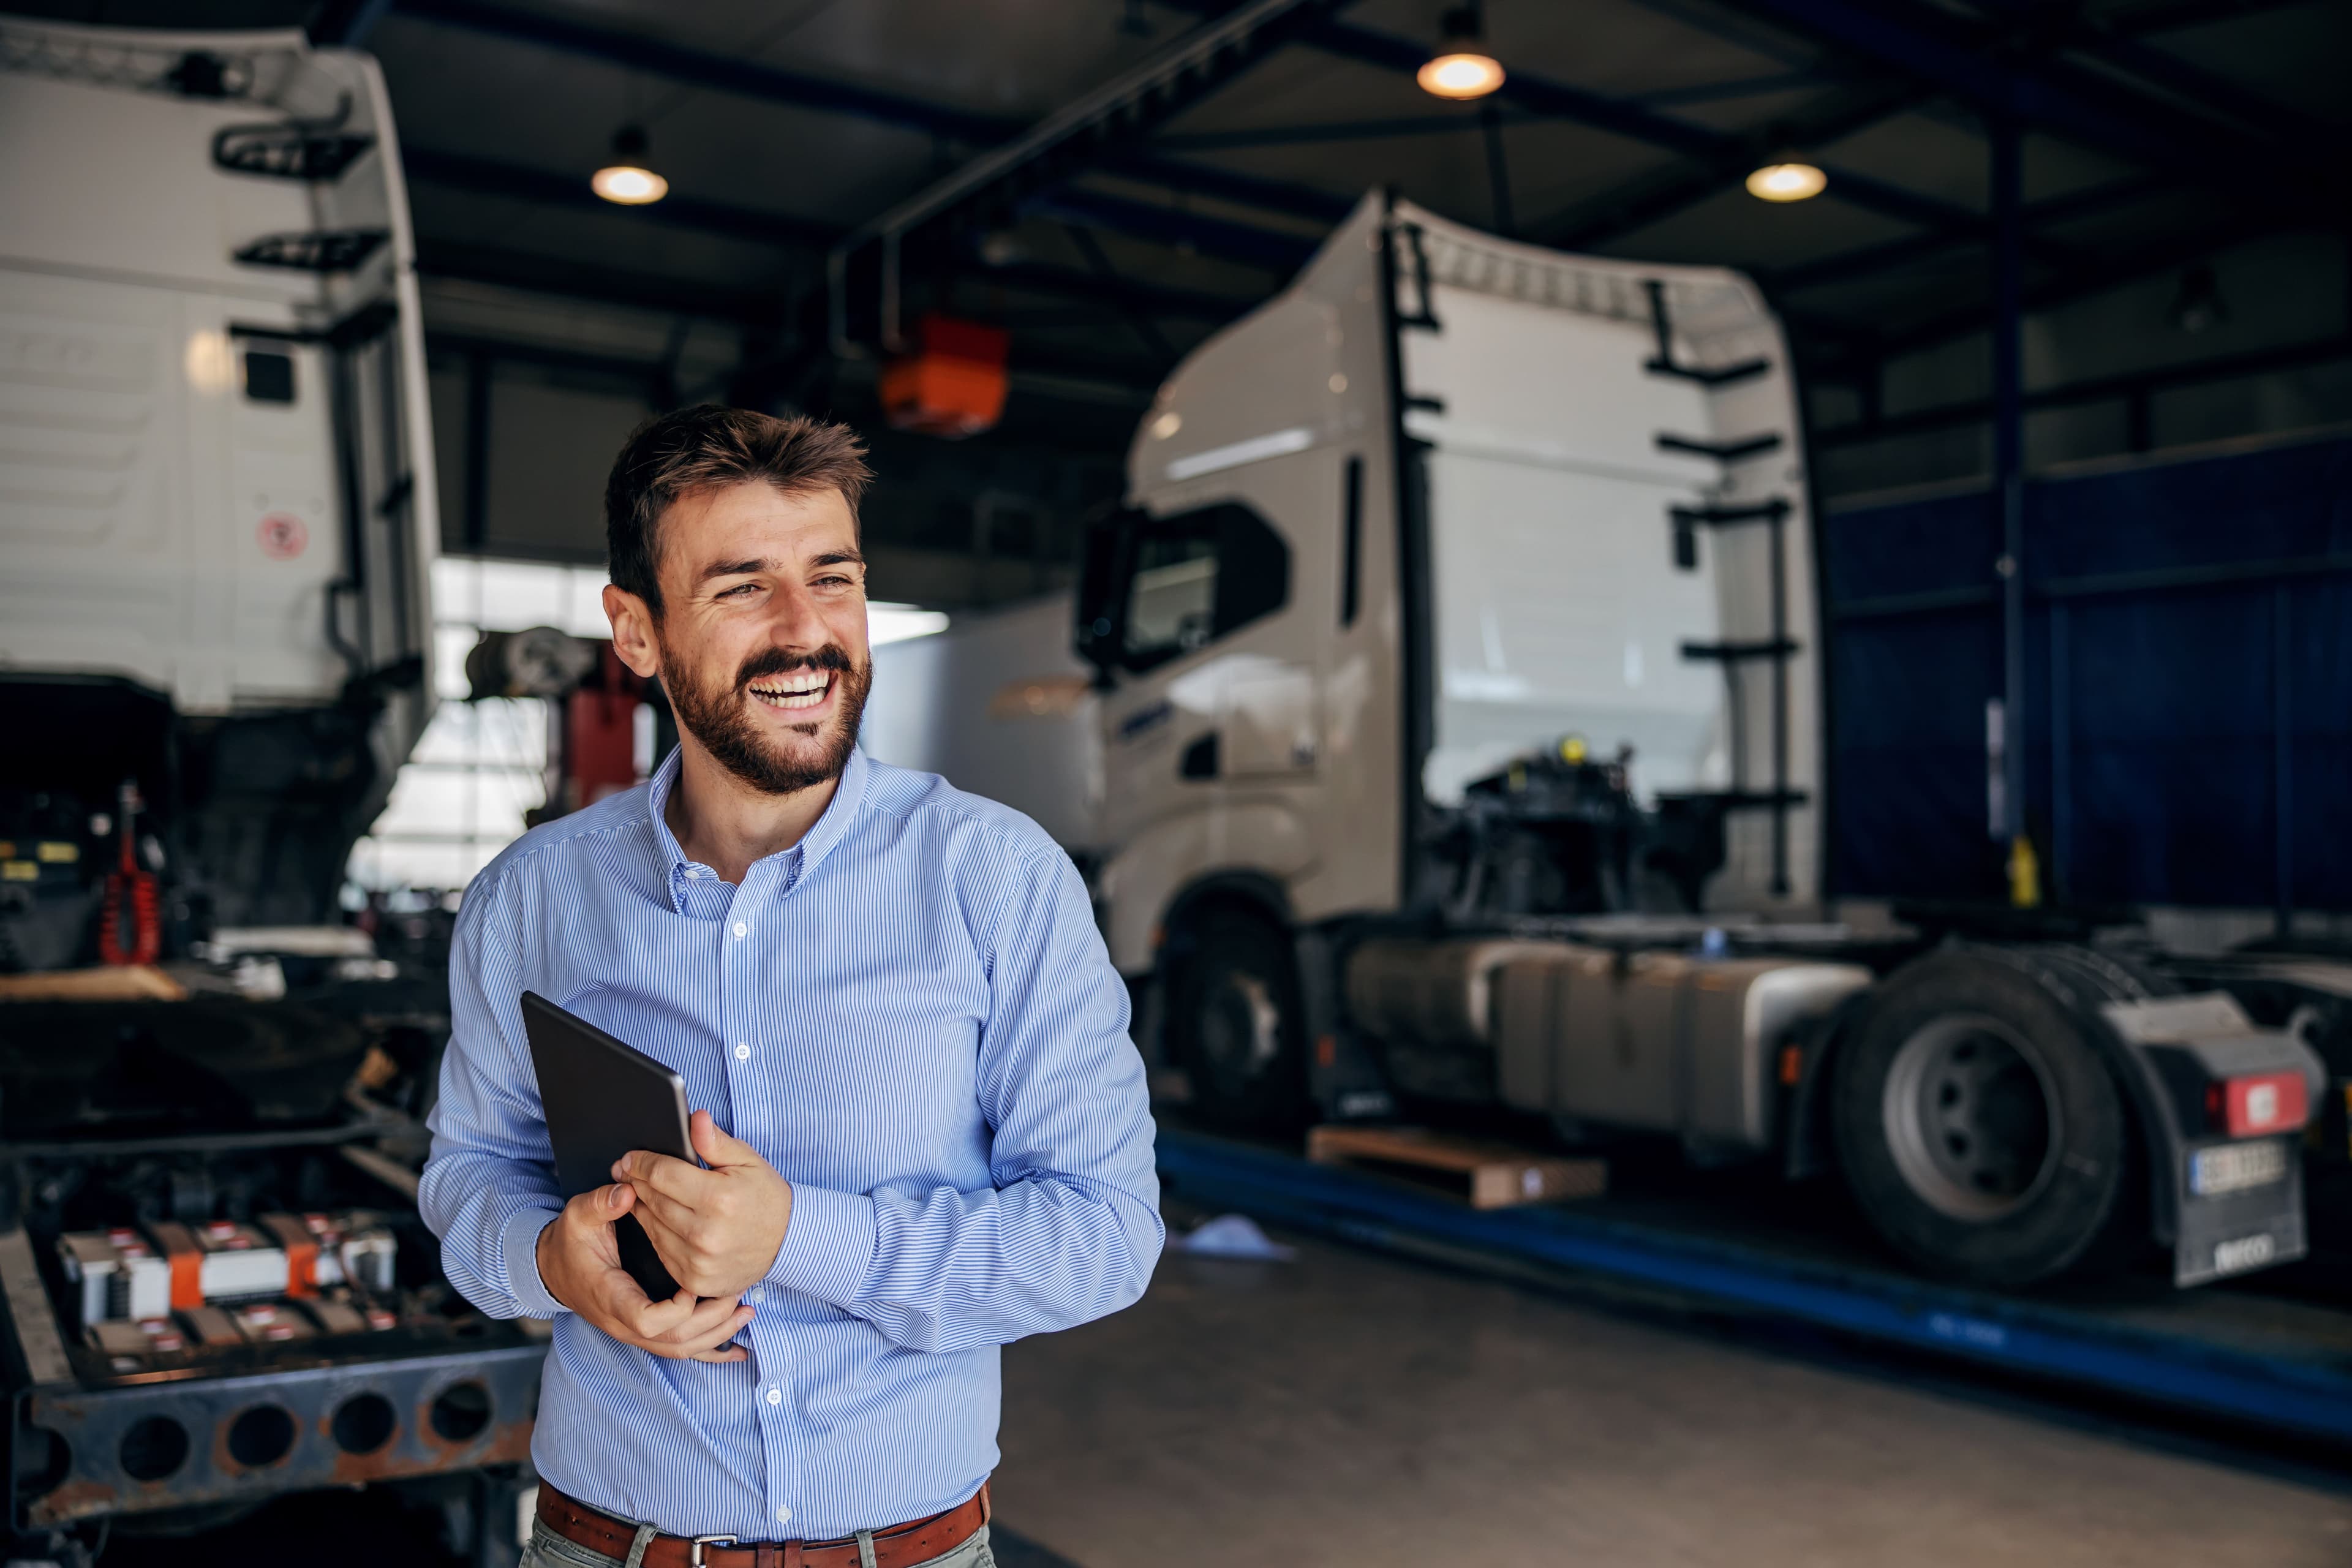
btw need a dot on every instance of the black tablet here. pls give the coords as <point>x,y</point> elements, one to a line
<point>603,1098</point>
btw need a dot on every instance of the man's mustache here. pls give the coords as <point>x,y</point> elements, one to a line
<point>782,661</point>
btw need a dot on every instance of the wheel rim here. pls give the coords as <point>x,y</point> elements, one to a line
<point>1240,1029</point>
<point>1971,1118</point>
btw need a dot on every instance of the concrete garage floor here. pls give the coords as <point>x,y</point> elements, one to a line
<point>1348,1408</point>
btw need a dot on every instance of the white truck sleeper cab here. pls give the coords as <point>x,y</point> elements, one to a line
<point>1458,704</point>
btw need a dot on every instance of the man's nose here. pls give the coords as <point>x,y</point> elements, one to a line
<point>798,620</point>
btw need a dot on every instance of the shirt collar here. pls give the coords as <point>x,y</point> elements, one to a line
<point>828,830</point>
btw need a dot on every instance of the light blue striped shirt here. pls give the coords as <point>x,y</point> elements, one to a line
<point>909,1014</point>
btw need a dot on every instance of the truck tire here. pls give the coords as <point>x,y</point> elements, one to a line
<point>1233,1022</point>
<point>1978,1124</point>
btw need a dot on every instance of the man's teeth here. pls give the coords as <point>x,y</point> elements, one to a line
<point>795,690</point>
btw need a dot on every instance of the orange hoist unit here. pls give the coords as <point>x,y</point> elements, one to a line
<point>952,385</point>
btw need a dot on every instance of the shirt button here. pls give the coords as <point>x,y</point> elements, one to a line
<point>775,1396</point>
<point>741,930</point>
<point>757,1295</point>
<point>742,1052</point>
<point>783,1516</point>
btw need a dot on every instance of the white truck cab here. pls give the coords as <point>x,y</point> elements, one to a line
<point>1458,704</point>
<point>216,487</point>
<point>1446,502</point>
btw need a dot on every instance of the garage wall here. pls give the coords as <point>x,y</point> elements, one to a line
<point>2188,682</point>
<point>2286,294</point>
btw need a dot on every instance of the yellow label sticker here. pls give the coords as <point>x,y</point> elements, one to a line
<point>19,870</point>
<point>52,852</point>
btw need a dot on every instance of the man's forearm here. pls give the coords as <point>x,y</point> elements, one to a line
<point>951,1270</point>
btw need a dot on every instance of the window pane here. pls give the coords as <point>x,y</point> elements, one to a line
<point>1171,607</point>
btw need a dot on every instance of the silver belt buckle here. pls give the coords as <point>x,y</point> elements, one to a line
<point>694,1551</point>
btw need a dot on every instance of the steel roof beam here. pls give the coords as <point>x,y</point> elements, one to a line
<point>2063,289</point>
<point>489,177</point>
<point>1846,265</point>
<point>2071,30</point>
<point>1661,196</point>
<point>1961,57</point>
<point>1270,249</point>
<point>1108,121</point>
<point>701,68</point>
<point>799,89</point>
<point>1634,120</point>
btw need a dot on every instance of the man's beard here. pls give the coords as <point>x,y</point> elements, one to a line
<point>719,717</point>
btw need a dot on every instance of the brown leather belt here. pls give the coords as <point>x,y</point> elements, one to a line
<point>900,1546</point>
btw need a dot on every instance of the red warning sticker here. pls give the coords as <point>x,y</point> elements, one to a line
<point>283,536</point>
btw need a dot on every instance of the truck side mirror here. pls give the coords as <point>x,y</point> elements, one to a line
<point>1106,563</point>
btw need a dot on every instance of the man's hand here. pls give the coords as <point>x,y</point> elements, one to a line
<point>717,1230</point>
<point>580,1264</point>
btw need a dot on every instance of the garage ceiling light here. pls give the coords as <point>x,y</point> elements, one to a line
<point>625,180</point>
<point>1791,179</point>
<point>1461,67</point>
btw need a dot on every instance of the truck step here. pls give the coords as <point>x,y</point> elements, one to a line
<point>1770,647</point>
<point>326,250</point>
<point>1721,376</point>
<point>1721,451</point>
<point>287,152</point>
<point>1487,1175</point>
<point>1773,510</point>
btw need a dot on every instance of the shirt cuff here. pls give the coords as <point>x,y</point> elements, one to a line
<point>828,1246</point>
<point>520,1242</point>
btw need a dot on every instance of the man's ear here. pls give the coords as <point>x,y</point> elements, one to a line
<point>633,632</point>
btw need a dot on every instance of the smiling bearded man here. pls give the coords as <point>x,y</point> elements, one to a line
<point>922,1128</point>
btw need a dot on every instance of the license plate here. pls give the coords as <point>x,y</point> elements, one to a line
<point>2234,1167</point>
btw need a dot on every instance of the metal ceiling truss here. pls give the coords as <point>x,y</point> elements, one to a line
<point>1674,190</point>
<point>2063,288</point>
<point>1112,119</point>
<point>798,89</point>
<point>1984,67</point>
<point>546,275</point>
<point>489,176</point>
<point>1719,152</point>
<point>1847,265</point>
<point>727,73</point>
<point>1989,66</point>
<point>1723,156</point>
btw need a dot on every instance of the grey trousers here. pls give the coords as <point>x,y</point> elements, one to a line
<point>548,1550</point>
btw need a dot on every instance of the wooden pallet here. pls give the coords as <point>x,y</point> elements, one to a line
<point>1489,1175</point>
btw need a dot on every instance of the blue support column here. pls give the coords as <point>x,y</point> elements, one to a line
<point>2283,751</point>
<point>2009,463</point>
<point>2062,755</point>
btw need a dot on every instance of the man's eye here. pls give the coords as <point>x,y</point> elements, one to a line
<point>739,590</point>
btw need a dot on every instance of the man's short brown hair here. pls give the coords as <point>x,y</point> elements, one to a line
<point>704,447</point>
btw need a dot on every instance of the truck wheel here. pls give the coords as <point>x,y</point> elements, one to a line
<point>1234,1023</point>
<point>1980,1128</point>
